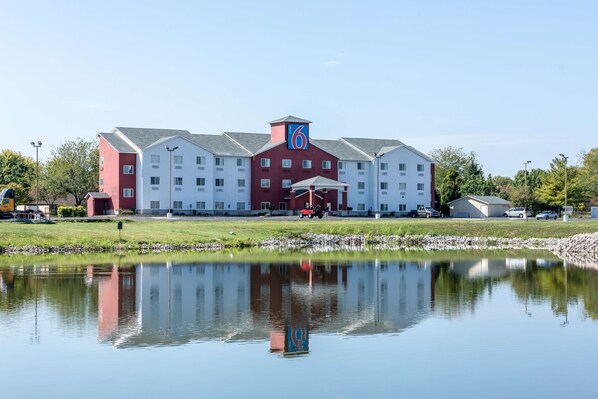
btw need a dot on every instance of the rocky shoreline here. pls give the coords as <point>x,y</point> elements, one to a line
<point>581,248</point>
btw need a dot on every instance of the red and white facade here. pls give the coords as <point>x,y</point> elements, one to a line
<point>244,173</point>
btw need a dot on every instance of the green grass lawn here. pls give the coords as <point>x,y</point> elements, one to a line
<point>252,230</point>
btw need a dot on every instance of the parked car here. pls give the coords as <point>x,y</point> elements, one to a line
<point>547,215</point>
<point>517,213</point>
<point>412,213</point>
<point>427,212</point>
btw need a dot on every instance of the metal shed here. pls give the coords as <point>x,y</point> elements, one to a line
<point>478,206</point>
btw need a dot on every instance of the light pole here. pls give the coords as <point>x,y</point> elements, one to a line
<point>170,150</point>
<point>377,155</point>
<point>36,145</point>
<point>525,186</point>
<point>565,218</point>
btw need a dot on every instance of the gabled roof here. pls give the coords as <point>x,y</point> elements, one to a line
<point>371,146</point>
<point>143,137</point>
<point>97,195</point>
<point>252,142</point>
<point>340,150</point>
<point>290,119</point>
<point>318,182</point>
<point>485,199</point>
<point>386,150</point>
<point>219,145</point>
<point>268,146</point>
<point>117,143</point>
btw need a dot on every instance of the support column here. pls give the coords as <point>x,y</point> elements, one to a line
<point>292,204</point>
<point>312,190</point>
<point>345,200</point>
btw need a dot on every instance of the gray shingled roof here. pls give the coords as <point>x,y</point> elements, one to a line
<point>252,142</point>
<point>371,146</point>
<point>119,144</point>
<point>486,199</point>
<point>219,145</point>
<point>143,138</point>
<point>290,119</point>
<point>340,149</point>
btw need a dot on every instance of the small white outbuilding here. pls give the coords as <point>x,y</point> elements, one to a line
<point>478,206</point>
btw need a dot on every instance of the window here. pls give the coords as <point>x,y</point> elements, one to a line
<point>361,207</point>
<point>341,165</point>
<point>128,169</point>
<point>200,160</point>
<point>219,161</point>
<point>306,164</point>
<point>361,185</point>
<point>403,186</point>
<point>178,181</point>
<point>384,166</point>
<point>219,182</point>
<point>154,204</point>
<point>155,159</point>
<point>383,185</point>
<point>240,182</point>
<point>265,206</point>
<point>265,162</point>
<point>282,206</point>
<point>286,163</point>
<point>177,159</point>
<point>155,180</point>
<point>402,167</point>
<point>402,207</point>
<point>420,167</point>
<point>326,164</point>
<point>286,183</point>
<point>384,207</point>
<point>200,205</point>
<point>218,205</point>
<point>200,181</point>
<point>265,183</point>
<point>240,206</point>
<point>127,192</point>
<point>420,186</point>
<point>240,162</point>
<point>177,204</point>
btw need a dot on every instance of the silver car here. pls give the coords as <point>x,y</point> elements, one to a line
<point>516,213</point>
<point>545,215</point>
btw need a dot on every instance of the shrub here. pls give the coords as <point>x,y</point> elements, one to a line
<point>71,211</point>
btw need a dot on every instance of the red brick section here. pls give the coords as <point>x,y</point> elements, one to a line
<point>276,173</point>
<point>432,190</point>
<point>114,180</point>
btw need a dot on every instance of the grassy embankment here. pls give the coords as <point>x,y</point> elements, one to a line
<point>237,233</point>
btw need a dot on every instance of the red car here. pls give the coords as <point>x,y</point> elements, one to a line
<point>311,212</point>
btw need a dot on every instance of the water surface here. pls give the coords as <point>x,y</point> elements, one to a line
<point>484,327</point>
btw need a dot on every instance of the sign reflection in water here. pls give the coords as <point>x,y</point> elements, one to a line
<point>153,304</point>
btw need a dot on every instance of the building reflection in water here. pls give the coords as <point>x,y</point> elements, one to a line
<point>158,305</point>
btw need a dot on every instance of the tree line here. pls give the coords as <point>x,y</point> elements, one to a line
<point>72,169</point>
<point>459,173</point>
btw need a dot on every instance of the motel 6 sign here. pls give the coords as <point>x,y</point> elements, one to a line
<point>297,136</point>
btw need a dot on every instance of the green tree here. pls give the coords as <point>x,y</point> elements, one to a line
<point>18,172</point>
<point>49,192</point>
<point>502,186</point>
<point>588,175</point>
<point>453,162</point>
<point>450,187</point>
<point>552,190</point>
<point>73,168</point>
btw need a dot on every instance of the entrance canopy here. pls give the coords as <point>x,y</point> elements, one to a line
<point>319,183</point>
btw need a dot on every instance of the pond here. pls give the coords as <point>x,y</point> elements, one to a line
<point>491,327</point>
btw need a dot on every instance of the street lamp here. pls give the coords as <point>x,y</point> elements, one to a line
<point>565,211</point>
<point>525,186</point>
<point>36,145</point>
<point>170,150</point>
<point>377,155</point>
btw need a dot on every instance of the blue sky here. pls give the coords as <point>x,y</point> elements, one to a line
<point>511,80</point>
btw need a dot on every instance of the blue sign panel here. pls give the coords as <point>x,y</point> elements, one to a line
<point>297,136</point>
<point>297,338</point>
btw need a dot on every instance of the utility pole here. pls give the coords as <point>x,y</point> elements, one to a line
<point>525,186</point>
<point>170,150</point>
<point>565,218</point>
<point>36,145</point>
